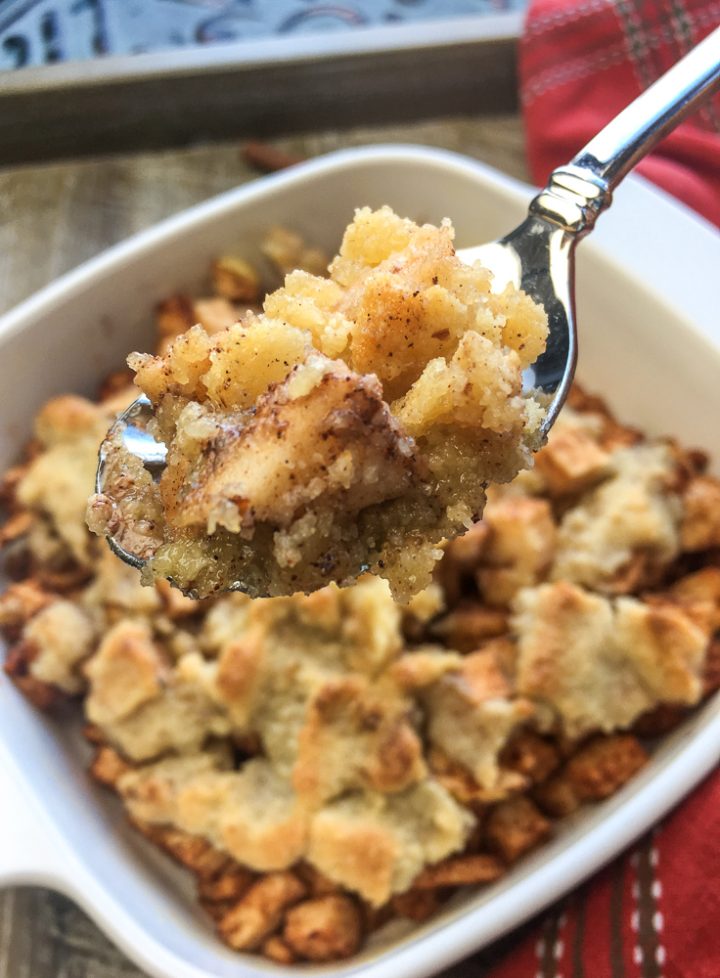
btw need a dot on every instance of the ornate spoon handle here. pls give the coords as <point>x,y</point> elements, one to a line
<point>578,191</point>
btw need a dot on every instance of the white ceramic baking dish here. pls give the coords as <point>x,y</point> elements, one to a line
<point>650,342</point>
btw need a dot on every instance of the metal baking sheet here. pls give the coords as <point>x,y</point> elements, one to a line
<point>79,76</point>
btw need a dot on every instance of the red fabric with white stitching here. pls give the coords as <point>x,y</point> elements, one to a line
<point>655,911</point>
<point>582,61</point>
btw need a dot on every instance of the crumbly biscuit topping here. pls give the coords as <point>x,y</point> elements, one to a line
<point>323,762</point>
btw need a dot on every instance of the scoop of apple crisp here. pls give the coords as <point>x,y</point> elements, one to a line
<point>352,425</point>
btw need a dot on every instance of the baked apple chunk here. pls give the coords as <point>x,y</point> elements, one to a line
<point>352,425</point>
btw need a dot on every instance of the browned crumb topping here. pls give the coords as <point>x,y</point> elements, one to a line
<point>323,764</point>
<point>352,425</point>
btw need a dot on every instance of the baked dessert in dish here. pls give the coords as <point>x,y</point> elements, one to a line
<point>352,425</point>
<point>325,764</point>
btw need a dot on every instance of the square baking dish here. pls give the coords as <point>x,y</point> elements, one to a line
<point>649,343</point>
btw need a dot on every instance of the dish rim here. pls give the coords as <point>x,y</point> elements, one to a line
<point>623,820</point>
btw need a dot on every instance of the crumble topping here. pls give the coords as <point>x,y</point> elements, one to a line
<point>323,763</point>
<point>601,663</point>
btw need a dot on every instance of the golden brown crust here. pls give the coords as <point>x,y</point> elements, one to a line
<point>291,739</point>
<point>127,671</point>
<point>633,511</point>
<point>601,664</point>
<point>572,461</point>
<point>376,845</point>
<point>355,737</point>
<point>471,714</point>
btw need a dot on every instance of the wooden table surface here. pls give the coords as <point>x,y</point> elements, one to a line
<point>53,217</point>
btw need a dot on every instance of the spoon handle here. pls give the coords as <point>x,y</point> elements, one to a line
<point>577,192</point>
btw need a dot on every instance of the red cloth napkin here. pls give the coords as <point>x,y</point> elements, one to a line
<point>655,911</point>
<point>582,61</point>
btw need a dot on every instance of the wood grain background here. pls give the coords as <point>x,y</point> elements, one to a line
<point>52,217</point>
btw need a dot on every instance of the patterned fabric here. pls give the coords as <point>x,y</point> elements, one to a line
<point>582,61</point>
<point>653,913</point>
<point>35,32</point>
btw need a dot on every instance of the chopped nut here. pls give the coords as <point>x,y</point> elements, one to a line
<point>93,734</point>
<point>376,917</point>
<point>704,587</point>
<point>466,551</point>
<point>108,766</point>
<point>661,720</point>
<point>235,279</point>
<point>417,905</point>
<point>17,665</point>
<point>276,949</point>
<point>260,910</point>
<point>456,778</point>
<point>462,556</point>
<point>603,765</point>
<point>557,796</point>
<point>20,603</point>
<point>288,252</point>
<point>9,482</point>
<point>466,627</point>
<point>17,526</point>
<point>174,316</point>
<point>612,435</point>
<point>468,870</point>
<point>196,854</point>
<point>229,886</point>
<point>215,909</point>
<point>514,827</point>
<point>326,928</point>
<point>640,572</point>
<point>711,670</point>
<point>318,883</point>
<point>114,384</point>
<point>700,528</point>
<point>63,579</point>
<point>531,755</point>
<point>268,158</point>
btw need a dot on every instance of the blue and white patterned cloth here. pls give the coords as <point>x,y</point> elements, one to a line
<point>36,32</point>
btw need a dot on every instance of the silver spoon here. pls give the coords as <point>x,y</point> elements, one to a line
<point>539,255</point>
